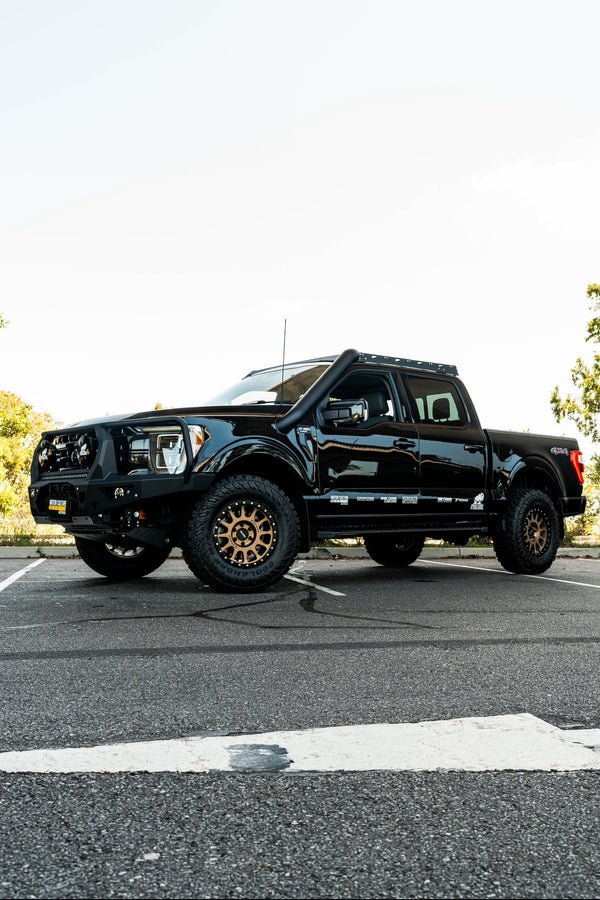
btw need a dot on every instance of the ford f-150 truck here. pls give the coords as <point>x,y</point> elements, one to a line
<point>384,448</point>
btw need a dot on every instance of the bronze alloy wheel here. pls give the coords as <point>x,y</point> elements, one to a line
<point>536,532</point>
<point>526,541</point>
<point>245,533</point>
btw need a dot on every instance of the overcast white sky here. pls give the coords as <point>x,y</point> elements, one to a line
<point>410,178</point>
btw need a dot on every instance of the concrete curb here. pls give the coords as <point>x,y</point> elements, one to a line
<point>444,553</point>
<point>68,551</point>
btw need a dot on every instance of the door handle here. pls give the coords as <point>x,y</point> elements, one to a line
<point>474,448</point>
<point>404,443</point>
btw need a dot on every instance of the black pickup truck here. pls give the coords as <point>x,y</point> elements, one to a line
<point>384,448</point>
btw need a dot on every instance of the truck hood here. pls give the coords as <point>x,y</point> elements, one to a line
<point>263,410</point>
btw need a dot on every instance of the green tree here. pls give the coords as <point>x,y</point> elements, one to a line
<point>583,408</point>
<point>20,428</point>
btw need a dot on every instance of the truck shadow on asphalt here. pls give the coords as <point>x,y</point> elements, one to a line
<point>375,599</point>
<point>230,609</point>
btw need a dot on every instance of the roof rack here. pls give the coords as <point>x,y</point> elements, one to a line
<point>440,368</point>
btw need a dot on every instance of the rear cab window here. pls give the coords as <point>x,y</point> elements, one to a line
<point>435,401</point>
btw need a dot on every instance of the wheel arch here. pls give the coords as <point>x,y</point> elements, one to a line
<point>281,471</point>
<point>536,474</point>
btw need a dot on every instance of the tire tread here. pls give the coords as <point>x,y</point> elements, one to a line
<point>203,559</point>
<point>508,543</point>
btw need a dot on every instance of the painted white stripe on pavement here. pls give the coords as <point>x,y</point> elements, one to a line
<point>512,742</point>
<point>431,562</point>
<point>589,737</point>
<point>8,581</point>
<point>317,587</point>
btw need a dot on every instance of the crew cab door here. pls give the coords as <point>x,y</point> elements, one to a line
<point>452,447</point>
<point>368,470</point>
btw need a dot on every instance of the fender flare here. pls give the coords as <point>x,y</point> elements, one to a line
<point>251,448</point>
<point>533,464</point>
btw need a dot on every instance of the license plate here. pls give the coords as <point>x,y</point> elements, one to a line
<point>58,505</point>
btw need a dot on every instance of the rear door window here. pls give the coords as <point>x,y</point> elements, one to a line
<point>435,401</point>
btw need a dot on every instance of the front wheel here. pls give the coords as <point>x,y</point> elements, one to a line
<point>394,550</point>
<point>243,536</point>
<point>118,561</point>
<point>528,543</point>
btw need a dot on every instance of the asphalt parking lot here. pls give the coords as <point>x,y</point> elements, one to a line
<point>342,643</point>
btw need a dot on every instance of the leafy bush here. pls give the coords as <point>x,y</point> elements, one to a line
<point>20,429</point>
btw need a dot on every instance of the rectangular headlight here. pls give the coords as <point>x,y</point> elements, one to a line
<point>160,451</point>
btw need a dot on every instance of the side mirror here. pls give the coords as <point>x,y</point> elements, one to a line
<point>346,412</point>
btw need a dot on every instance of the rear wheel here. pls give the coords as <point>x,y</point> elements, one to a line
<point>529,540</point>
<point>242,536</point>
<point>118,561</point>
<point>394,550</point>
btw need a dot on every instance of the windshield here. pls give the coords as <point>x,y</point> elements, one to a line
<point>267,386</point>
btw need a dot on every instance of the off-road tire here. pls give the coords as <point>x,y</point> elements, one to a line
<point>394,550</point>
<point>529,537</point>
<point>242,536</point>
<point>119,562</point>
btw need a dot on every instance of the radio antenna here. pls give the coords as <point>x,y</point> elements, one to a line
<point>283,360</point>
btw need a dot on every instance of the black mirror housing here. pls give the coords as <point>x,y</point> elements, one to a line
<point>345,412</point>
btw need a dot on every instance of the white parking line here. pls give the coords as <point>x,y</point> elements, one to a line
<point>519,742</point>
<point>317,587</point>
<point>15,577</point>
<point>431,562</point>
